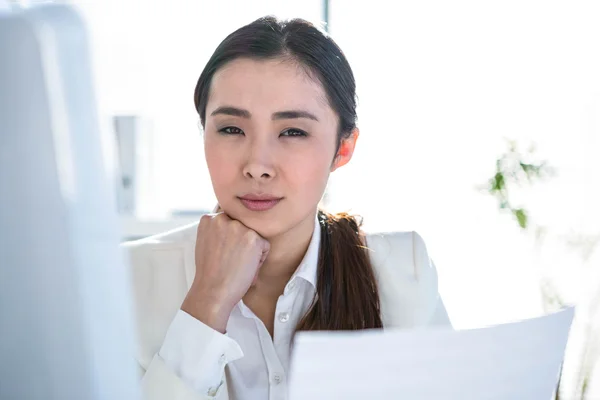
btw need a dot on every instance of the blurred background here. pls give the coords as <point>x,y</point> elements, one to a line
<point>480,129</point>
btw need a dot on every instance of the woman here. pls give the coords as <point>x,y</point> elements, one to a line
<point>218,303</point>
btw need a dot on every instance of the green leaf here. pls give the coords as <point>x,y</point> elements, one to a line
<point>521,217</point>
<point>526,167</point>
<point>531,169</point>
<point>498,183</point>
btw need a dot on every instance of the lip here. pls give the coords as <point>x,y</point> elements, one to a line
<point>255,202</point>
<point>259,197</point>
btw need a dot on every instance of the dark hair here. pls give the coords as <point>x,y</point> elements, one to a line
<point>347,297</point>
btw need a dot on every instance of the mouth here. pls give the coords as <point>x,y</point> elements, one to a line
<point>259,202</point>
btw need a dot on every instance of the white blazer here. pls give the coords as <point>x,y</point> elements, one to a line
<point>163,268</point>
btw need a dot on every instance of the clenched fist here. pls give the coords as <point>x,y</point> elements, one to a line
<point>228,256</point>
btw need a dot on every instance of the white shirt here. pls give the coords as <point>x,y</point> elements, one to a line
<point>257,366</point>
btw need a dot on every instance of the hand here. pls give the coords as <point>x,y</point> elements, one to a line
<point>228,257</point>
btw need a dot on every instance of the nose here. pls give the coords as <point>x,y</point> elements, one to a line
<point>259,165</point>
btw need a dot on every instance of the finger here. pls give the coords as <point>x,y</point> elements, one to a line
<point>263,257</point>
<point>266,246</point>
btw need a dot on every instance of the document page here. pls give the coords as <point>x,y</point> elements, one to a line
<point>520,360</point>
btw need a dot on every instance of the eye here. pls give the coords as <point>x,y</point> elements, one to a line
<point>293,132</point>
<point>231,130</point>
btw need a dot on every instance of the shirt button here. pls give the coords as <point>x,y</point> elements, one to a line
<point>212,392</point>
<point>277,379</point>
<point>284,317</point>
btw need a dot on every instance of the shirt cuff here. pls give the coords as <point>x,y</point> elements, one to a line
<point>197,353</point>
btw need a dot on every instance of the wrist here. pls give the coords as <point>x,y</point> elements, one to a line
<point>208,310</point>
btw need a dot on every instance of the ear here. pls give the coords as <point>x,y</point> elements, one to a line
<point>346,150</point>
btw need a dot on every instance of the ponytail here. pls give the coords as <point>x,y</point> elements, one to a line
<point>347,297</point>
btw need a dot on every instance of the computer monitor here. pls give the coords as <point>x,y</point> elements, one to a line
<point>66,330</point>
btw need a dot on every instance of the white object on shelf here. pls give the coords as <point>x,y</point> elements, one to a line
<point>126,137</point>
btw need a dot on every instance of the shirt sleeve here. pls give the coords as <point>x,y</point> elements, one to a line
<point>197,354</point>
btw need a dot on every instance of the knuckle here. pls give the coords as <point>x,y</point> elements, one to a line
<point>237,226</point>
<point>250,236</point>
<point>204,222</point>
<point>213,223</point>
<point>234,229</point>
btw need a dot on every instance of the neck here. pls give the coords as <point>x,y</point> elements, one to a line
<point>286,253</point>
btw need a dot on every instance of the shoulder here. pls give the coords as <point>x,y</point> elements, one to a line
<point>160,270</point>
<point>404,252</point>
<point>159,262</point>
<point>406,275</point>
<point>176,236</point>
<point>161,250</point>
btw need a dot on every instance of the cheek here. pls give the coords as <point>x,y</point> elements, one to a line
<point>220,167</point>
<point>309,173</point>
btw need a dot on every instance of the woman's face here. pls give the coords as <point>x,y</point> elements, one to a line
<point>270,139</point>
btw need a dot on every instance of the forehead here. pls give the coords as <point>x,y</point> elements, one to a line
<point>267,85</point>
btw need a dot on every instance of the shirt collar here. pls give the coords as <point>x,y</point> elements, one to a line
<point>307,269</point>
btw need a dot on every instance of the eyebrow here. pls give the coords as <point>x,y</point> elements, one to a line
<point>233,111</point>
<point>288,114</point>
<point>294,114</point>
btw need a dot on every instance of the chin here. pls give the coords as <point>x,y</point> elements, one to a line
<point>272,223</point>
<point>266,226</point>
<point>267,223</point>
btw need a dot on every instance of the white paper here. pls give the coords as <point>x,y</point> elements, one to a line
<point>519,360</point>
